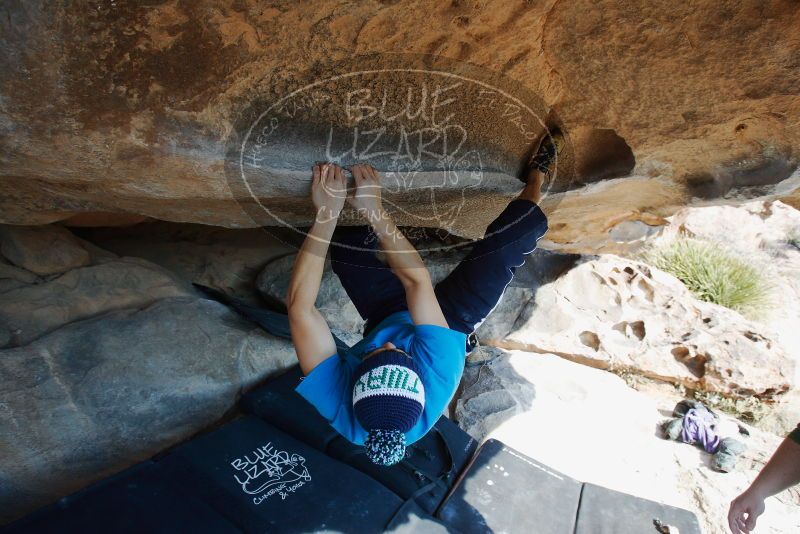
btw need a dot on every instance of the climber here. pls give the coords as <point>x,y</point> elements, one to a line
<point>781,472</point>
<point>389,389</point>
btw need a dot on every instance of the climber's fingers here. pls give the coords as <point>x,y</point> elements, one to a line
<point>750,522</point>
<point>734,514</point>
<point>315,174</point>
<point>743,513</point>
<point>734,521</point>
<point>364,174</point>
<point>374,173</point>
<point>338,178</point>
<point>359,173</point>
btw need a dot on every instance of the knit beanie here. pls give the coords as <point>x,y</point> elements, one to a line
<point>388,398</point>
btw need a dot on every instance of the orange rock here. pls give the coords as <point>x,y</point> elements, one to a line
<point>123,108</point>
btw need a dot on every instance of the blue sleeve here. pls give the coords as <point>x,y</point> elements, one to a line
<point>441,353</point>
<point>441,350</point>
<point>324,387</point>
<point>328,389</point>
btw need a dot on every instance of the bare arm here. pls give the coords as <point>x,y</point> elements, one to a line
<point>311,336</point>
<point>781,472</point>
<point>402,257</point>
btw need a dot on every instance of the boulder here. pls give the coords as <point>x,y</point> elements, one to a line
<point>332,301</point>
<point>226,259</point>
<point>490,394</point>
<point>42,250</point>
<point>783,416</point>
<point>763,230</point>
<point>591,426</point>
<point>106,361</point>
<point>113,114</point>
<point>12,277</point>
<point>764,234</point>
<point>541,267</point>
<point>31,311</point>
<point>622,315</point>
<point>98,395</point>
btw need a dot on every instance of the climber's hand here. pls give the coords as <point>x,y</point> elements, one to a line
<point>328,191</point>
<point>744,512</point>
<point>366,197</point>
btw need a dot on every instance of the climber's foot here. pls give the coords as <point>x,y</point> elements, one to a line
<point>547,154</point>
<point>542,164</point>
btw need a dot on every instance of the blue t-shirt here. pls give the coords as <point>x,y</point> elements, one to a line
<point>438,351</point>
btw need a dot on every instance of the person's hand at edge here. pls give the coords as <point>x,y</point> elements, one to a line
<point>328,191</point>
<point>744,511</point>
<point>366,195</point>
<point>780,473</point>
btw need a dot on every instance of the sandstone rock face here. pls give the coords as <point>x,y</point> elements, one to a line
<point>590,425</point>
<point>117,112</point>
<point>104,365</point>
<point>765,234</point>
<point>618,314</point>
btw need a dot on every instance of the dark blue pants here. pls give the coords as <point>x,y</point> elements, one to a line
<point>467,295</point>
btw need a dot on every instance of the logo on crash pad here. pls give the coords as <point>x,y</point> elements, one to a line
<point>269,471</point>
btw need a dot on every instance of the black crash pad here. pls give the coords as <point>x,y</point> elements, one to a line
<point>134,501</point>
<point>246,477</point>
<point>605,511</point>
<point>504,491</point>
<point>263,480</point>
<point>427,474</point>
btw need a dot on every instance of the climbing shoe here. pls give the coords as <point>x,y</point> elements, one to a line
<point>547,154</point>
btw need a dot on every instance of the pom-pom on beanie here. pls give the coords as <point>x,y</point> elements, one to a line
<point>388,399</point>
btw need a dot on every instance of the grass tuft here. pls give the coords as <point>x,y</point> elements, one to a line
<point>714,275</point>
